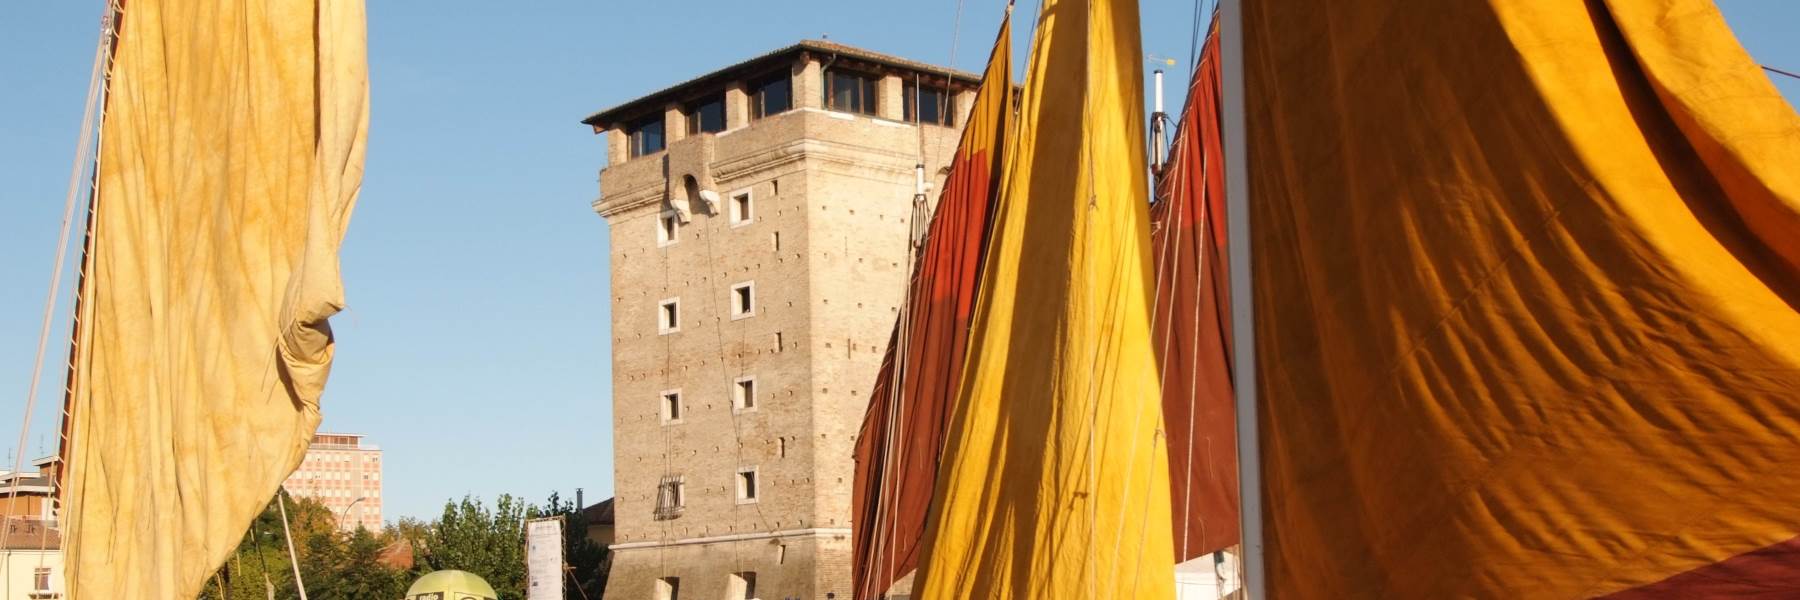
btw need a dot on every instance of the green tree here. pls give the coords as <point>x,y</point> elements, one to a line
<point>470,537</point>
<point>334,565</point>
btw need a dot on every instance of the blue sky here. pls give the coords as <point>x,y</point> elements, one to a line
<point>475,347</point>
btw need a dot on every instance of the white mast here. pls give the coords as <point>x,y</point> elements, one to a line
<point>1243,329</point>
<point>1157,134</point>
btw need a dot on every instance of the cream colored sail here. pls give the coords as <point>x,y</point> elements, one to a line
<point>231,155</point>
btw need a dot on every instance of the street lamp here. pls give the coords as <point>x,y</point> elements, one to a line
<point>346,512</point>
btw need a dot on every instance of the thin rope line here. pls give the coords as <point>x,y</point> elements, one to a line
<point>950,72</point>
<point>725,371</point>
<point>83,148</point>
<point>1780,72</point>
<point>1087,75</point>
<point>1201,233</point>
<point>1176,183</point>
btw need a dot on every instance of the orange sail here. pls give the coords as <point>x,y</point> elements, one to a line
<point>231,155</point>
<point>1525,278</point>
<point>1054,479</point>
<point>1193,322</point>
<point>902,433</point>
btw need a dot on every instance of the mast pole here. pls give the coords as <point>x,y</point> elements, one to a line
<point>1243,304</point>
<point>1158,128</point>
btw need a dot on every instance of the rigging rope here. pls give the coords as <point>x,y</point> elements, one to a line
<point>83,152</point>
<point>1780,72</point>
<point>725,372</point>
<point>888,490</point>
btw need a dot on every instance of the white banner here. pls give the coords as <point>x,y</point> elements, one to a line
<point>544,559</point>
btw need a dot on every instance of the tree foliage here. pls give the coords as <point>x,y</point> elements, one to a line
<point>468,536</point>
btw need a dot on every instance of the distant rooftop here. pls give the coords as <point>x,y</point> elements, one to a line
<point>30,533</point>
<point>341,441</point>
<point>761,65</point>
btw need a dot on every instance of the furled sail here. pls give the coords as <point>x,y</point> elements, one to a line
<point>231,155</point>
<point>1192,333</point>
<point>1054,480</point>
<point>1526,277</point>
<point>902,433</point>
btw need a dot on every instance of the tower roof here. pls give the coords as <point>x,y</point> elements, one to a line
<point>760,65</point>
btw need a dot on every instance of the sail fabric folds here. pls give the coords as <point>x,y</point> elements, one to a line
<point>1192,333</point>
<point>231,155</point>
<point>1526,277</point>
<point>1054,480</point>
<point>902,433</point>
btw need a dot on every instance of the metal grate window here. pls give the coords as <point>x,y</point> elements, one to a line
<point>670,497</point>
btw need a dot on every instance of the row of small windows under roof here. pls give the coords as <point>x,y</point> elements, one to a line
<point>845,91</point>
<point>768,96</point>
<point>855,92</point>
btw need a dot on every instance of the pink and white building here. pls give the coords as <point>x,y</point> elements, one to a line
<point>344,474</point>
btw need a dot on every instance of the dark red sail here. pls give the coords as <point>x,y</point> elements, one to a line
<point>1193,324</point>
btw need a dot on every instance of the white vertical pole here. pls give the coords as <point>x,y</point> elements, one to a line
<point>293,559</point>
<point>1243,303</point>
<point>1156,127</point>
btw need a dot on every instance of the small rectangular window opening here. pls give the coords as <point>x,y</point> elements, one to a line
<point>743,585</point>
<point>743,300</point>
<point>746,485</point>
<point>671,406</point>
<point>743,394</point>
<point>668,229</point>
<point>741,209</point>
<point>668,316</point>
<point>671,497</point>
<point>775,240</point>
<point>668,588</point>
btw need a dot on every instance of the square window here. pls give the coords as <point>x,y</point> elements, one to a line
<point>850,91</point>
<point>668,229</point>
<point>671,407</point>
<point>706,116</point>
<point>646,136</point>
<point>668,316</point>
<point>741,208</point>
<point>927,104</point>
<point>668,588</point>
<point>771,96</point>
<point>743,300</point>
<point>743,394</point>
<point>747,485</point>
<point>671,497</point>
<point>743,585</point>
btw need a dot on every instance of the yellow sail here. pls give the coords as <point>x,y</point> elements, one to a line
<point>231,155</point>
<point>1055,480</point>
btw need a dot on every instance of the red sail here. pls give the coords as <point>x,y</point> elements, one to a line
<point>1193,324</point>
<point>902,433</point>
